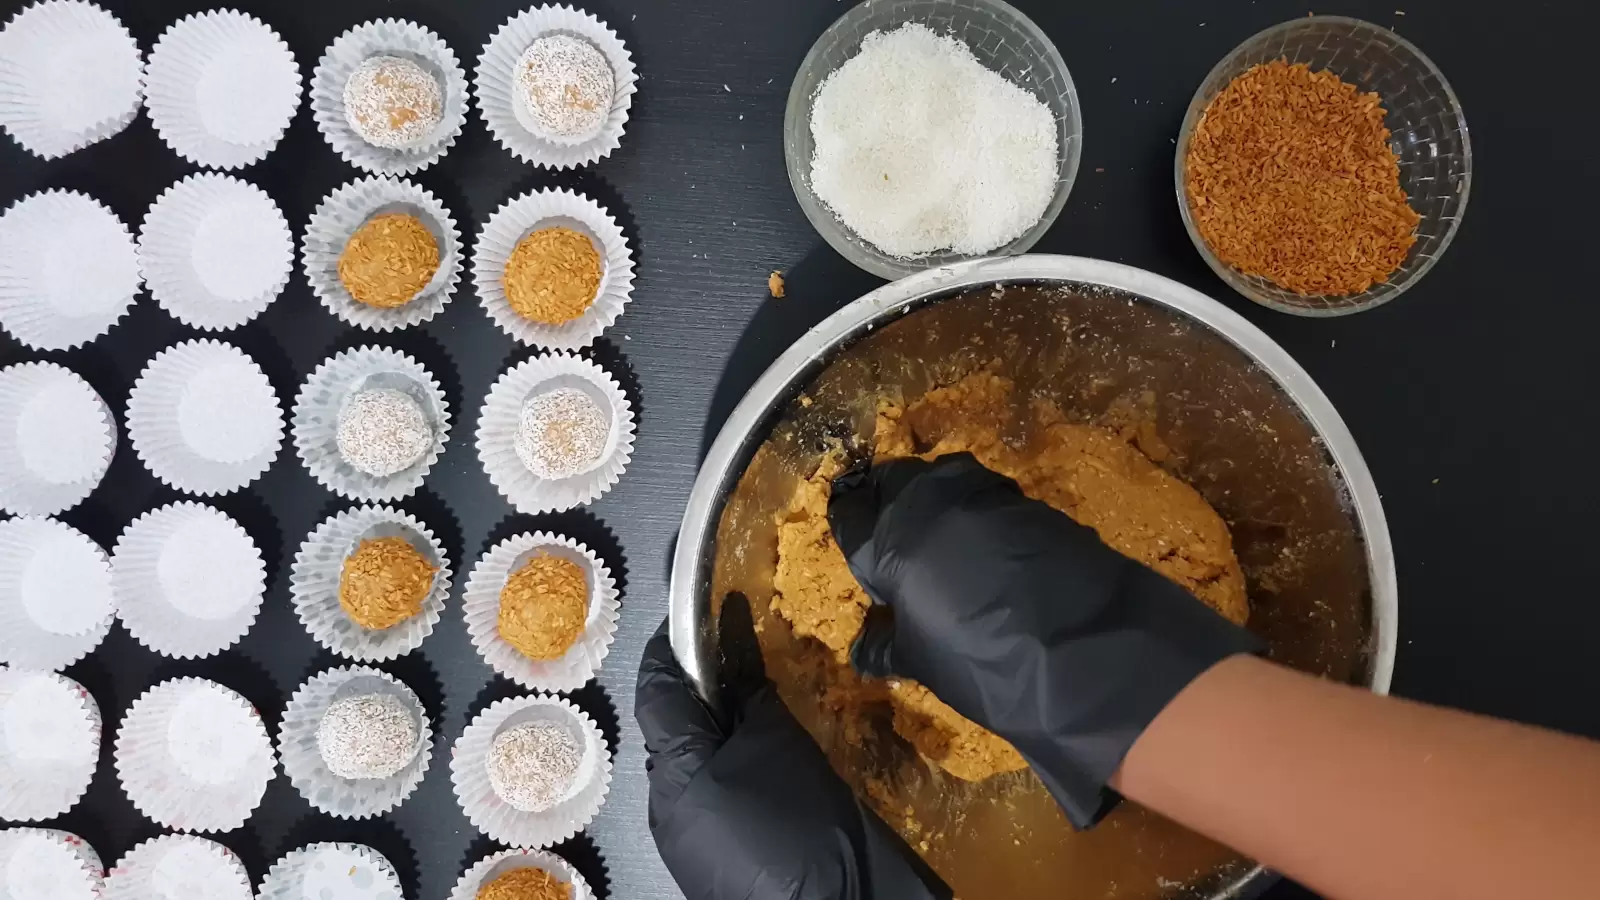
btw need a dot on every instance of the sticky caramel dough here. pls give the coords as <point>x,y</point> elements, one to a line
<point>1097,475</point>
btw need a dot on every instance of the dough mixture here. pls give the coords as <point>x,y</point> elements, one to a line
<point>1100,476</point>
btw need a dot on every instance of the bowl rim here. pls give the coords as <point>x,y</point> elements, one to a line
<point>1232,277</point>
<point>833,231</point>
<point>688,583</point>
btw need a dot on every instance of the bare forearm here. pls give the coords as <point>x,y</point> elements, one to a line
<point>1370,798</point>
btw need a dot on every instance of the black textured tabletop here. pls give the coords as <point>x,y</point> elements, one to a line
<point>1468,395</point>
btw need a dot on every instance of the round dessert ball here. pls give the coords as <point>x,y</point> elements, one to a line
<point>382,432</point>
<point>392,102</point>
<point>367,736</point>
<point>564,86</point>
<point>384,582</point>
<point>543,607</point>
<point>562,433</point>
<point>533,766</point>
<point>389,260</point>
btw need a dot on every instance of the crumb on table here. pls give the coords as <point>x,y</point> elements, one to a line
<point>775,285</point>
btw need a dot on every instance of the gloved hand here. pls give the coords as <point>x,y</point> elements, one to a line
<point>743,804</point>
<point>1019,618</point>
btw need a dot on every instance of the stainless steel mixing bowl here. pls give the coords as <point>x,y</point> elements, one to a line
<point>1244,425</point>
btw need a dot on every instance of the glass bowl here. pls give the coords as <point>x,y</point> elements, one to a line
<point>1427,131</point>
<point>1003,39</point>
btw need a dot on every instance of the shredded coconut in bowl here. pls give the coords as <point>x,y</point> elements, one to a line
<point>920,149</point>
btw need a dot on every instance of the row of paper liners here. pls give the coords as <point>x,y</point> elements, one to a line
<point>222,87</point>
<point>216,251</point>
<point>194,756</point>
<point>50,863</point>
<point>205,419</point>
<point>188,582</point>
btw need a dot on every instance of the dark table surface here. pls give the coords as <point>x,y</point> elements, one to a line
<point>1468,395</point>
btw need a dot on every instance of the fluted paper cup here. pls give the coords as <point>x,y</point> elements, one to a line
<point>481,604</point>
<point>188,579</point>
<point>344,211</point>
<point>348,798</point>
<point>500,820</point>
<point>70,75</point>
<point>502,415</point>
<point>405,40</point>
<point>49,744</point>
<point>314,583</point>
<point>203,418</point>
<point>215,251</point>
<point>193,755</point>
<point>332,871</point>
<point>178,865</point>
<point>495,90</point>
<point>68,270</point>
<point>48,863</point>
<point>495,865</point>
<point>536,211</point>
<point>56,599</point>
<point>315,422</point>
<point>221,88</point>
<point>57,437</point>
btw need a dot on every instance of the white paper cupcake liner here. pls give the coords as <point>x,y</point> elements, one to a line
<point>502,413</point>
<point>215,251</point>
<point>47,758</point>
<point>188,579</point>
<point>497,864</point>
<point>68,270</point>
<point>500,820</point>
<point>56,600</point>
<point>221,88</point>
<point>347,209</point>
<point>387,37</point>
<point>315,422</point>
<point>532,212</point>
<point>178,865</point>
<point>70,75</point>
<point>348,798</point>
<point>73,437</point>
<point>170,791</point>
<point>332,871</point>
<point>46,862</point>
<point>156,418</point>
<point>494,88</point>
<point>481,604</point>
<point>314,583</point>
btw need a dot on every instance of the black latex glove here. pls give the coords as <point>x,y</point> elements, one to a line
<point>743,804</point>
<point>1019,618</point>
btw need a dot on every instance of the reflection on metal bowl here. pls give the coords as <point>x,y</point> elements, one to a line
<point>1245,426</point>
